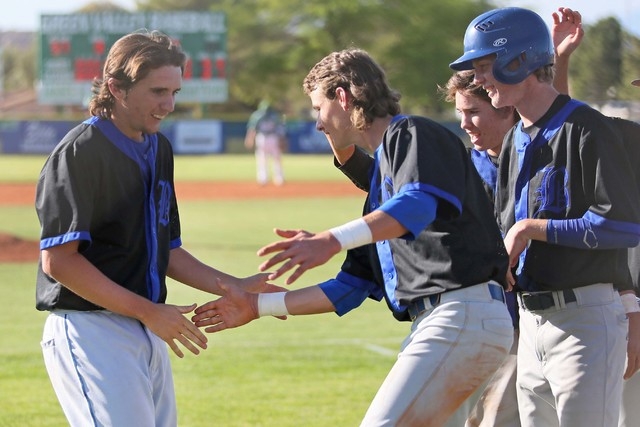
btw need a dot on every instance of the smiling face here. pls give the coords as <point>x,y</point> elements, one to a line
<point>485,125</point>
<point>501,94</point>
<point>333,119</point>
<point>140,109</point>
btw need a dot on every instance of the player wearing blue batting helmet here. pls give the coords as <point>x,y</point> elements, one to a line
<point>519,38</point>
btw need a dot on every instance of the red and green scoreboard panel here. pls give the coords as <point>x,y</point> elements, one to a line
<point>73,48</point>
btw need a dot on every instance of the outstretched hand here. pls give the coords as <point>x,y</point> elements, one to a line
<point>299,248</point>
<point>235,308</point>
<point>566,31</point>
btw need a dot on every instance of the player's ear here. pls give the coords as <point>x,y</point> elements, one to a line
<point>115,88</point>
<point>343,98</point>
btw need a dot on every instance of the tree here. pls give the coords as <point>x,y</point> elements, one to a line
<point>597,66</point>
<point>19,68</point>
<point>630,67</point>
<point>273,43</point>
<point>149,5</point>
<point>101,6</point>
<point>423,39</point>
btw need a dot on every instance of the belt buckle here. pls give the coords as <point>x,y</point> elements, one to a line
<point>421,305</point>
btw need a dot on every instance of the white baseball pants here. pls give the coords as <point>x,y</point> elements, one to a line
<point>108,370</point>
<point>451,351</point>
<point>571,360</point>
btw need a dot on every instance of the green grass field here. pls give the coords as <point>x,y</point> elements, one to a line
<point>305,371</point>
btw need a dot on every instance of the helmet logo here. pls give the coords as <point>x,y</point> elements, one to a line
<point>500,42</point>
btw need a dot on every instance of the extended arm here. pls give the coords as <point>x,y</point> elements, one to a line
<point>404,215</point>
<point>187,269</point>
<point>66,265</point>
<point>308,250</point>
<point>236,307</point>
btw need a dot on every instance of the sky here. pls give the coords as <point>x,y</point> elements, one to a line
<point>25,16</point>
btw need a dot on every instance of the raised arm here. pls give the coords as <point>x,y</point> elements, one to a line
<point>567,35</point>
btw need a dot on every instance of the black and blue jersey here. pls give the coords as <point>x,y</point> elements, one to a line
<point>116,197</point>
<point>571,164</point>
<point>461,247</point>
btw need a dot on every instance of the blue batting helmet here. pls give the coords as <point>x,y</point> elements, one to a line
<point>518,37</point>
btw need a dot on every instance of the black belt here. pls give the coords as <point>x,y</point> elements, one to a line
<point>419,306</point>
<point>534,301</point>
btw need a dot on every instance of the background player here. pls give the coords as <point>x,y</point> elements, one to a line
<point>567,215</point>
<point>437,262</point>
<point>266,135</point>
<point>110,234</point>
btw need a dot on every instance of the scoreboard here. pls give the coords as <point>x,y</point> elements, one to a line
<point>73,48</point>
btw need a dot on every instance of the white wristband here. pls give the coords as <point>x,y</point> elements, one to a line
<point>353,234</point>
<point>630,303</point>
<point>272,304</point>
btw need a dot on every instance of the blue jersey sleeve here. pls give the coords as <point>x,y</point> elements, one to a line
<point>347,292</point>
<point>414,209</point>
<point>593,232</point>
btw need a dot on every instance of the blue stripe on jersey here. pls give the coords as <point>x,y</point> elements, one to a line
<point>50,242</point>
<point>414,209</point>
<point>175,243</point>
<point>525,149</point>
<point>153,217</point>
<point>389,274</point>
<point>148,176</point>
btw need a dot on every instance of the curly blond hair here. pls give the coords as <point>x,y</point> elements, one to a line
<point>356,72</point>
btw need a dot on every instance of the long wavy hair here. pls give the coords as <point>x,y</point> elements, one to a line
<point>356,72</point>
<point>130,60</point>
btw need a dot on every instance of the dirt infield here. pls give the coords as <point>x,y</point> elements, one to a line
<point>14,249</point>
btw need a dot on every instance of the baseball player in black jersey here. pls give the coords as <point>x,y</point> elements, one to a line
<point>110,235</point>
<point>486,127</point>
<point>568,207</point>
<point>428,244</point>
